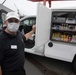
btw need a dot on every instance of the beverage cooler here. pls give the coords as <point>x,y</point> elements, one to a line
<point>64,26</point>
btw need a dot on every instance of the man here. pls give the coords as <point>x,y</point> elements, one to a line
<point>12,46</point>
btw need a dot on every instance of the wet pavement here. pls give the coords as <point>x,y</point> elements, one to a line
<point>38,65</point>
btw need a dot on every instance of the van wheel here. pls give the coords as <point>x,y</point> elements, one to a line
<point>74,64</point>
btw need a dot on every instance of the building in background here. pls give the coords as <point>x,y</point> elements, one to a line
<point>3,11</point>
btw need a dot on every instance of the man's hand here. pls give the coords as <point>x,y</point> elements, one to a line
<point>34,28</point>
<point>27,35</point>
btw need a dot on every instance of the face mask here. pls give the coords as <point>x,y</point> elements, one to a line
<point>13,27</point>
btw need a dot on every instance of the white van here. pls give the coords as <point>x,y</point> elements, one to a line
<point>55,35</point>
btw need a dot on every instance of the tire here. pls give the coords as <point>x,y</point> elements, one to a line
<point>74,64</point>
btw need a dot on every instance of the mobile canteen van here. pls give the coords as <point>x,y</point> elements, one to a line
<point>55,35</point>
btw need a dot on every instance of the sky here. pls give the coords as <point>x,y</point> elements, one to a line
<point>26,7</point>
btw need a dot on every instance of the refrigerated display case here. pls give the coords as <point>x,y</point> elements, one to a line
<point>63,26</point>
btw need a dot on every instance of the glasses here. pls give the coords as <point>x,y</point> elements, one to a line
<point>13,20</point>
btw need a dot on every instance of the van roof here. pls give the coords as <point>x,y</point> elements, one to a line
<point>28,17</point>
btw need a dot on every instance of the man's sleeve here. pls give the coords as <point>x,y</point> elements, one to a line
<point>1,52</point>
<point>24,38</point>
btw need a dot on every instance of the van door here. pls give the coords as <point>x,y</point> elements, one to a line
<point>43,20</point>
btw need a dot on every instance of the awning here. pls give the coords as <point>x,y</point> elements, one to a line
<point>49,1</point>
